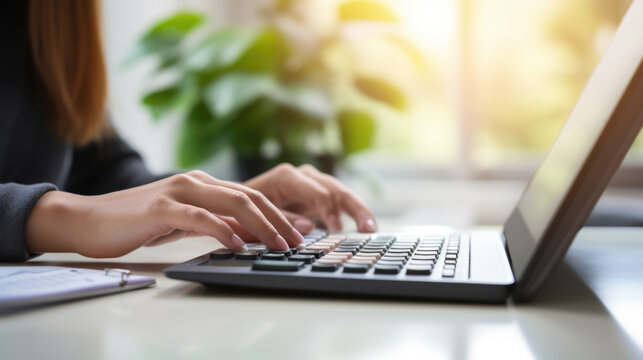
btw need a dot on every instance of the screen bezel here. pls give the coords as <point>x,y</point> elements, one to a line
<point>533,259</point>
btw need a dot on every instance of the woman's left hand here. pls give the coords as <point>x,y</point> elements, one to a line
<point>304,193</point>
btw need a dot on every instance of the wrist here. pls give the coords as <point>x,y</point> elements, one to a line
<point>52,223</point>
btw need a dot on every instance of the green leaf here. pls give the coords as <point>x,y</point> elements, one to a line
<point>357,129</point>
<point>200,137</point>
<point>180,95</point>
<point>176,25</point>
<point>268,53</point>
<point>237,49</point>
<point>221,49</point>
<point>381,90</point>
<point>163,38</point>
<point>231,92</point>
<point>364,10</point>
<point>159,102</point>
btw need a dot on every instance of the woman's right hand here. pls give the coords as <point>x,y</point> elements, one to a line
<point>117,223</point>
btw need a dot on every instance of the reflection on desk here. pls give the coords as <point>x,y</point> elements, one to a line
<point>589,309</point>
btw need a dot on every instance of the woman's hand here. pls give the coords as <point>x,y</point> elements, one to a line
<point>117,223</point>
<point>304,193</point>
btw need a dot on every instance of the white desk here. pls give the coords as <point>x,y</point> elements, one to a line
<point>591,312</point>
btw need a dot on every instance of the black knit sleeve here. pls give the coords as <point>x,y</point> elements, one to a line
<point>16,202</point>
<point>107,165</point>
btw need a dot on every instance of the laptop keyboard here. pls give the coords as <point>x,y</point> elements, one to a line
<point>358,253</point>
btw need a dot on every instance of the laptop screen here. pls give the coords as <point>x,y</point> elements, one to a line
<point>554,179</point>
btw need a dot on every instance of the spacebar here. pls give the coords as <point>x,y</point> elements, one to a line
<point>277,265</point>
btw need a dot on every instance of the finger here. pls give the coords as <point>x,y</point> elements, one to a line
<point>244,234</point>
<point>303,224</point>
<point>196,219</point>
<point>269,210</point>
<point>229,202</point>
<point>346,199</point>
<point>296,184</point>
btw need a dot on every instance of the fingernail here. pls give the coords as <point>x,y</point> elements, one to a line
<point>369,225</point>
<point>303,225</point>
<point>236,240</point>
<point>297,236</point>
<point>280,240</point>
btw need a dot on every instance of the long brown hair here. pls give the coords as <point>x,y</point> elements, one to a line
<point>67,52</point>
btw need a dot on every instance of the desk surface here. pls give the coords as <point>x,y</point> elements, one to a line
<point>590,308</point>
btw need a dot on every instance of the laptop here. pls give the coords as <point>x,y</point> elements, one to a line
<point>487,266</point>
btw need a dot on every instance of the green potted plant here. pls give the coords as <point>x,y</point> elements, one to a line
<point>272,93</point>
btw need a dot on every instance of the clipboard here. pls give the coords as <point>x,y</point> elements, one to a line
<point>29,286</point>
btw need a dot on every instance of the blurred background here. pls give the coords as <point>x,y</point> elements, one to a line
<point>451,102</point>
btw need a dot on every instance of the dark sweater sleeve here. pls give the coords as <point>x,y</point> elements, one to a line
<point>16,202</point>
<point>105,166</point>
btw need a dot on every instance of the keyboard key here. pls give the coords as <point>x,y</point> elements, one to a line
<point>429,248</point>
<point>425,253</point>
<point>353,242</point>
<point>337,255</point>
<point>450,261</point>
<point>405,242</point>
<point>386,269</point>
<point>421,263</point>
<point>325,248</point>
<point>307,259</point>
<point>356,268</point>
<point>257,247</point>
<point>451,257</point>
<point>373,251</point>
<point>368,262</point>
<point>419,270</point>
<point>274,257</point>
<point>365,259</point>
<point>317,266</point>
<point>380,242</point>
<point>391,263</point>
<point>246,256</point>
<point>385,238</point>
<point>375,246</point>
<point>394,258</point>
<point>373,255</point>
<point>448,273</point>
<point>424,257</point>
<point>326,260</point>
<point>397,247</point>
<point>345,250</point>
<point>316,253</point>
<point>272,265</point>
<point>286,252</point>
<point>398,251</point>
<point>449,266</point>
<point>221,254</point>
